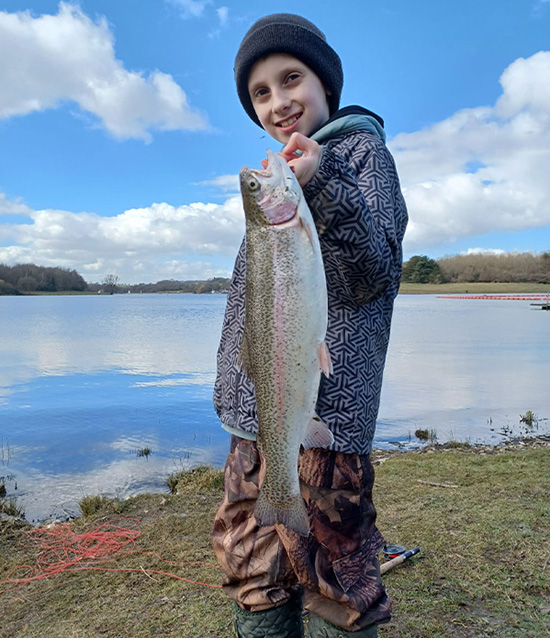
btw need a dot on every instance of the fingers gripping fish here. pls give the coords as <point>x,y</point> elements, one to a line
<point>283,349</point>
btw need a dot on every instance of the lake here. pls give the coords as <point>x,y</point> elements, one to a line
<point>87,382</point>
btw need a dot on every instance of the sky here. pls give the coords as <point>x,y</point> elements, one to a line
<point>121,134</point>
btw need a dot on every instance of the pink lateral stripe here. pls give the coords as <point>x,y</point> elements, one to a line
<point>278,355</point>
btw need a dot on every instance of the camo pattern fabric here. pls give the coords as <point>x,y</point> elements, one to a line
<point>336,565</point>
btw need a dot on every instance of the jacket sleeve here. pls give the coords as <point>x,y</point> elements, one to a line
<point>360,214</point>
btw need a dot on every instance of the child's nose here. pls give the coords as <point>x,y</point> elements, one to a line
<point>281,101</point>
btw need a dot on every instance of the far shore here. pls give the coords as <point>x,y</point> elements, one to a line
<point>465,288</point>
<point>473,288</point>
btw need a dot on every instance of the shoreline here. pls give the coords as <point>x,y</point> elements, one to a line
<point>473,288</point>
<point>481,516</point>
<point>404,289</point>
<point>512,444</point>
<point>378,457</point>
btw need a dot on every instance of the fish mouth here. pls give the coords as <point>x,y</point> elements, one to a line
<point>276,167</point>
<point>271,173</point>
<point>279,206</point>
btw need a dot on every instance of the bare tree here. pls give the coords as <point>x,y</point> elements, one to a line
<point>110,283</point>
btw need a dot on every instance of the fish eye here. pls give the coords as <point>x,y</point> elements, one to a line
<point>253,184</point>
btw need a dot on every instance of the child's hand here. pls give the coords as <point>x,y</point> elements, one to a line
<point>305,165</point>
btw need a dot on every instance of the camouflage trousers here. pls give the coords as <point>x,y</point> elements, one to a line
<point>336,566</point>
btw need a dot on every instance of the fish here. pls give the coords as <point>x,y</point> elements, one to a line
<point>283,349</point>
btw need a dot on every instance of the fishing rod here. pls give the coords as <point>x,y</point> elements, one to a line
<point>401,557</point>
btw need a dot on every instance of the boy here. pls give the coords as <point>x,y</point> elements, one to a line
<point>289,82</point>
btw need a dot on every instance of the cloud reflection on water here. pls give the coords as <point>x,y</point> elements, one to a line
<point>44,496</point>
<point>196,379</point>
<point>141,334</point>
<point>87,381</point>
<point>466,368</point>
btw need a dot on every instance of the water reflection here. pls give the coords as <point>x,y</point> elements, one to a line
<point>74,435</point>
<point>46,495</point>
<point>466,368</point>
<point>85,382</point>
<point>145,334</point>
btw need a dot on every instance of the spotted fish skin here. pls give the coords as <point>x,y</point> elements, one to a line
<point>283,349</point>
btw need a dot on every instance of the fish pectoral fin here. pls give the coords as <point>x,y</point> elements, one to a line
<point>317,434</point>
<point>325,362</point>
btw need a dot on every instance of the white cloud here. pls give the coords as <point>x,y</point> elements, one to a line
<point>484,251</point>
<point>191,8</point>
<point>226,183</point>
<point>483,169</point>
<point>50,59</point>
<point>223,14</point>
<point>140,244</point>
<point>11,207</point>
<point>197,9</point>
<point>526,86</point>
<point>539,6</point>
<point>223,19</point>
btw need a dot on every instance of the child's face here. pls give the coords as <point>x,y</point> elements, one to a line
<point>287,96</point>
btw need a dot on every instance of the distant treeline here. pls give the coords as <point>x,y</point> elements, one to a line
<point>506,267</point>
<point>218,284</point>
<point>25,279</point>
<point>28,278</point>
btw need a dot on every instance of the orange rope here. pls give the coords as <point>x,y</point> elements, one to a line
<point>63,550</point>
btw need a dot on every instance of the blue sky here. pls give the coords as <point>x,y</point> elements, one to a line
<point>121,134</point>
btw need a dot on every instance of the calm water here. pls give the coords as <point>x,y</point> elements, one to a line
<point>86,382</point>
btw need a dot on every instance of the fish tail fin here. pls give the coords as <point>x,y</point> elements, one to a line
<point>292,514</point>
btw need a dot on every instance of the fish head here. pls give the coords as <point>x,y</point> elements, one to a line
<point>270,195</point>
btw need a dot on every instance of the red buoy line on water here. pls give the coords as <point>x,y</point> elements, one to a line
<point>63,550</point>
<point>500,297</point>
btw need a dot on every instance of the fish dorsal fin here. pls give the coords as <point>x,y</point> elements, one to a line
<point>317,434</point>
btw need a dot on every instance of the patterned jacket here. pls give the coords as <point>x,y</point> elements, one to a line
<point>361,216</point>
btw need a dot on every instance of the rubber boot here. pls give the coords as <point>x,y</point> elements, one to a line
<point>319,628</point>
<point>279,622</point>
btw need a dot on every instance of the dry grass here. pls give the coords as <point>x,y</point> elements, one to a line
<point>472,288</point>
<point>135,604</point>
<point>484,568</point>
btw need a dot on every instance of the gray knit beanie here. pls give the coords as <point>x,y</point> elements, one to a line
<point>296,36</point>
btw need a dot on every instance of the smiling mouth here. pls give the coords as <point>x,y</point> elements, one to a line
<point>289,122</point>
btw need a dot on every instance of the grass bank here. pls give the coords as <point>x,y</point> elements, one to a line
<point>475,288</point>
<point>480,515</point>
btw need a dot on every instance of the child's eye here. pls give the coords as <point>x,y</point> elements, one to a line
<point>258,93</point>
<point>292,76</point>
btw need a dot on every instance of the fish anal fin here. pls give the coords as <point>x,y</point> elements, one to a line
<point>325,362</point>
<point>317,434</point>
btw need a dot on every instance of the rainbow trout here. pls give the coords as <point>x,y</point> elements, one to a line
<point>283,349</point>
